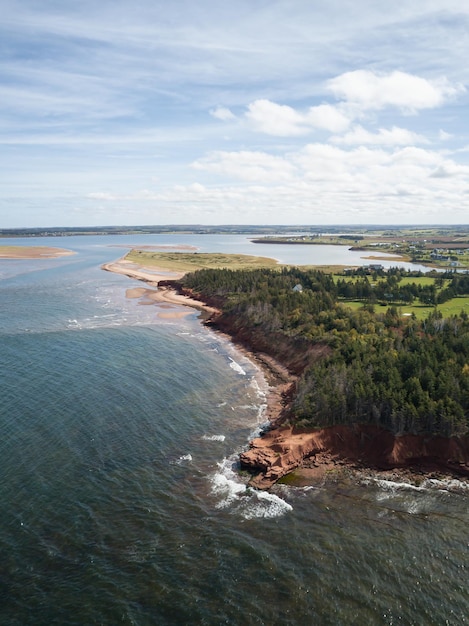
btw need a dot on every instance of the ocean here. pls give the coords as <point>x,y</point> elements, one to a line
<point>122,500</point>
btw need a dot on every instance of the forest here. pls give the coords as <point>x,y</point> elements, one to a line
<point>370,365</point>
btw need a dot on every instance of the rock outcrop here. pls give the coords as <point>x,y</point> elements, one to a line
<point>282,450</point>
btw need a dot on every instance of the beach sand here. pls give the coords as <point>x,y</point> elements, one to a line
<point>162,295</point>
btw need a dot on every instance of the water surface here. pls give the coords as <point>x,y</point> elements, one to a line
<point>121,498</point>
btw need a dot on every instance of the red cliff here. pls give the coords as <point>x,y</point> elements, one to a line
<point>282,450</point>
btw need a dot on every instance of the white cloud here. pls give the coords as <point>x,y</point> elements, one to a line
<point>222,113</point>
<point>444,136</point>
<point>275,119</point>
<point>385,137</point>
<point>328,117</point>
<point>284,121</point>
<point>450,169</point>
<point>407,92</point>
<point>247,165</point>
<point>330,185</point>
<point>114,97</point>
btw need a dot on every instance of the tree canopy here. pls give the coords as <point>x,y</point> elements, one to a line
<point>355,366</point>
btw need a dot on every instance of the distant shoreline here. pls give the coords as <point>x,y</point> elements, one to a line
<point>33,252</point>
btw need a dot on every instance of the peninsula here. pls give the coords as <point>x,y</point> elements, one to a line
<point>357,381</point>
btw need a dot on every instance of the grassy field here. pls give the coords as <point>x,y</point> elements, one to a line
<point>189,262</point>
<point>452,307</point>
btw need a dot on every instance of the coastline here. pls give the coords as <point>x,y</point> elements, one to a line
<point>308,456</point>
<point>280,381</point>
<point>154,277</point>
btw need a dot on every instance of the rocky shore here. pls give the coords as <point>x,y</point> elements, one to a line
<point>283,449</point>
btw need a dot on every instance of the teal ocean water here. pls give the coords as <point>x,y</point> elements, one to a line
<point>121,502</point>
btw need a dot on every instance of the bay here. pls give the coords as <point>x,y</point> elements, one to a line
<point>121,498</point>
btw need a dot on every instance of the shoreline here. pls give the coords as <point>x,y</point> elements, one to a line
<point>279,380</point>
<point>154,277</point>
<point>308,457</point>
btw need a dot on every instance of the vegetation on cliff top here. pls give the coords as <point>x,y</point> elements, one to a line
<point>370,365</point>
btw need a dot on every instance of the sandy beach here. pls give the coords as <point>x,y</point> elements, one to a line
<point>162,294</point>
<point>278,377</point>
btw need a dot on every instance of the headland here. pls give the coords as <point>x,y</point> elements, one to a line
<point>304,454</point>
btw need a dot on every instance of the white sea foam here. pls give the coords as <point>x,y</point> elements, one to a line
<point>261,393</point>
<point>449,484</point>
<point>415,499</point>
<point>268,505</point>
<point>184,458</point>
<point>226,484</point>
<point>249,503</point>
<point>391,486</point>
<point>214,437</point>
<point>246,407</point>
<point>236,367</point>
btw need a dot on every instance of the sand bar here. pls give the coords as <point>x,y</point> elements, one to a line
<point>33,252</point>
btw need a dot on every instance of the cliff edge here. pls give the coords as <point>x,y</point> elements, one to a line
<point>283,449</point>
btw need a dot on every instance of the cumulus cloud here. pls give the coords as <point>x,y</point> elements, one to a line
<point>407,92</point>
<point>320,182</point>
<point>247,165</point>
<point>282,120</point>
<point>394,136</point>
<point>275,119</point>
<point>328,117</point>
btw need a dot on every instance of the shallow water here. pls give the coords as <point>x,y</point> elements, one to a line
<point>122,502</point>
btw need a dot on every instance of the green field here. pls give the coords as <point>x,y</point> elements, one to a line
<point>452,307</point>
<point>189,262</point>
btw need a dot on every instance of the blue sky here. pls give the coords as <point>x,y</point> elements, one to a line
<point>248,112</point>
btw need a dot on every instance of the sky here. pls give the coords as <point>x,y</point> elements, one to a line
<point>132,112</point>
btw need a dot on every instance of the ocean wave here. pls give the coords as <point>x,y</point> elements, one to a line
<point>391,486</point>
<point>184,458</point>
<point>268,506</point>
<point>241,499</point>
<point>236,367</point>
<point>427,485</point>
<point>214,437</point>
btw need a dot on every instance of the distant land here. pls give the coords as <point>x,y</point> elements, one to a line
<point>244,229</point>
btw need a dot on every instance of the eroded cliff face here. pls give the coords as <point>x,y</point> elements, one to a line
<point>282,450</point>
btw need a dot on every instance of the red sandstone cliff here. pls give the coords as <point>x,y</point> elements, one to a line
<point>282,450</point>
